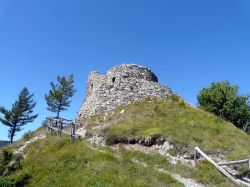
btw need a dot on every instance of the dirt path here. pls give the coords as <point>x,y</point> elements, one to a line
<point>185,181</point>
<point>21,149</point>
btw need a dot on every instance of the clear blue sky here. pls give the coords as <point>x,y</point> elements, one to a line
<point>188,44</point>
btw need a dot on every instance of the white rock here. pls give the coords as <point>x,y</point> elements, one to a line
<point>81,132</point>
<point>185,181</point>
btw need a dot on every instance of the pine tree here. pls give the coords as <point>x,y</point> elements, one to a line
<point>58,99</point>
<point>20,113</point>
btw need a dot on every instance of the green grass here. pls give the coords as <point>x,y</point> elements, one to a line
<point>183,125</point>
<point>57,162</point>
<point>204,173</point>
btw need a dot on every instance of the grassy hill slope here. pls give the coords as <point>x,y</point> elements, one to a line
<point>55,161</point>
<point>182,125</point>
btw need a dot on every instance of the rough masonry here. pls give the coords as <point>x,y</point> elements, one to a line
<point>121,85</point>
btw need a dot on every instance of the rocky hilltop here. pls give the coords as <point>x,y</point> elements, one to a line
<point>121,85</point>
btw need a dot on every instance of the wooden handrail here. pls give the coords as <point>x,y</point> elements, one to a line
<point>222,170</point>
<point>61,119</point>
<point>246,161</point>
<point>56,129</point>
<point>57,124</point>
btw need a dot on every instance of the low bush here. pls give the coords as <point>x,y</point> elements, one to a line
<point>9,162</point>
<point>27,136</point>
<point>223,100</point>
<point>18,181</point>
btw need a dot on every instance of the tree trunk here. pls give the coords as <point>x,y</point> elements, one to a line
<point>58,111</point>
<point>57,116</point>
<point>12,134</point>
<point>11,139</point>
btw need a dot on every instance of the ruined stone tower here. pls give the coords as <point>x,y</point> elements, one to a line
<point>121,85</point>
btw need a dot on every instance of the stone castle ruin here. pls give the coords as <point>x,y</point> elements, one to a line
<point>121,85</point>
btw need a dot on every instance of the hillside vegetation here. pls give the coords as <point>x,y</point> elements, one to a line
<point>55,161</point>
<point>182,125</point>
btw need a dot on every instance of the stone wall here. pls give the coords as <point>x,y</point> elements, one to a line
<point>121,85</point>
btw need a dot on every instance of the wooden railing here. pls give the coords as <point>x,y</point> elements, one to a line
<point>239,182</point>
<point>246,161</point>
<point>58,124</point>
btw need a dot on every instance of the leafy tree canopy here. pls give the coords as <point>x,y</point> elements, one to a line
<point>223,99</point>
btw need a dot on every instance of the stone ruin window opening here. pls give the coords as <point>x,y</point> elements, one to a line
<point>92,85</point>
<point>113,80</point>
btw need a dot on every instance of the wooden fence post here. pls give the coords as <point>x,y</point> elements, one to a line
<point>47,124</point>
<point>195,157</point>
<point>50,124</point>
<point>72,131</point>
<point>57,126</point>
<point>249,162</point>
<point>60,127</point>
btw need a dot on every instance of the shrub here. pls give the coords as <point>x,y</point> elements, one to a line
<point>16,164</point>
<point>223,100</point>
<point>27,136</point>
<point>22,179</point>
<point>9,162</point>
<point>5,182</point>
<point>18,181</point>
<point>178,99</point>
<point>5,158</point>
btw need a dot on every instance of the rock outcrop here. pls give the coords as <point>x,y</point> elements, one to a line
<point>121,85</point>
